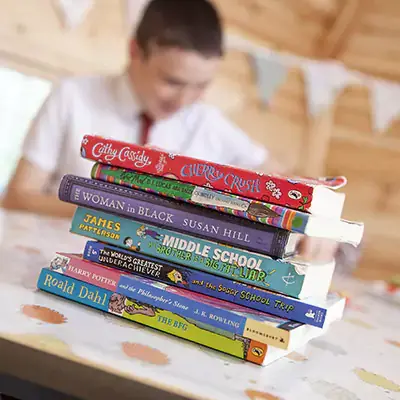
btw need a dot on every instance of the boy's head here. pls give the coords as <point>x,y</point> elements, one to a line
<point>175,52</point>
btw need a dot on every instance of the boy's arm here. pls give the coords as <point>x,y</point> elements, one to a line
<point>25,192</point>
<point>40,154</point>
<point>272,165</point>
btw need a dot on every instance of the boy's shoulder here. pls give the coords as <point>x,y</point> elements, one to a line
<point>85,84</point>
<point>201,112</point>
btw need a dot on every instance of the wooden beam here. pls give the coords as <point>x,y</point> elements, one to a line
<point>317,143</point>
<point>382,24</point>
<point>344,24</point>
<point>32,68</point>
<point>373,45</point>
<point>322,6</point>
<point>267,23</point>
<point>316,8</point>
<point>385,68</point>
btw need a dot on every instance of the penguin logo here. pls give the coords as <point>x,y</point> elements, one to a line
<point>294,194</point>
<point>257,351</point>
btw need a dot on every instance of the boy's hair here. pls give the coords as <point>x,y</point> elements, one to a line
<point>186,24</point>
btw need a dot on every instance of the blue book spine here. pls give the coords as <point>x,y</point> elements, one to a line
<point>72,289</point>
<point>219,259</point>
<point>205,283</point>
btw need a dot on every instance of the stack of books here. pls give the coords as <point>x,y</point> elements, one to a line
<point>202,251</point>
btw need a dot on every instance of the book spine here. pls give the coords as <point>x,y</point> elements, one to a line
<point>203,311</point>
<point>253,210</point>
<point>273,189</point>
<point>157,318</point>
<point>179,276</point>
<point>185,218</point>
<point>74,266</point>
<point>236,264</point>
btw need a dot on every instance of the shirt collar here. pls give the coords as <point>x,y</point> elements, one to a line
<point>127,102</point>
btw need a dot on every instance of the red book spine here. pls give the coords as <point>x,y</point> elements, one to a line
<point>296,194</point>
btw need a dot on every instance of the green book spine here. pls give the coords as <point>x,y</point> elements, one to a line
<point>227,203</point>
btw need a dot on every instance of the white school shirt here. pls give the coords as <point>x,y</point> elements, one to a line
<point>106,106</point>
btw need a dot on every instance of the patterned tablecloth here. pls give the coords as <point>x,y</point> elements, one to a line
<point>359,357</point>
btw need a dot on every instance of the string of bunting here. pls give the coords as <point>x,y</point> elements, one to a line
<point>72,12</point>
<point>324,81</point>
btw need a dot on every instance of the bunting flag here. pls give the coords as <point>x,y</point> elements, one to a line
<point>324,82</point>
<point>270,72</point>
<point>73,12</point>
<point>385,99</point>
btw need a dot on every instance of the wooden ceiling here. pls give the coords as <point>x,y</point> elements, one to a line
<point>363,34</point>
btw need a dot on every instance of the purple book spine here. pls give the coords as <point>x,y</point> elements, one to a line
<point>181,217</point>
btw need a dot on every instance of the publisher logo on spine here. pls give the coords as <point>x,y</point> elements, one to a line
<point>257,351</point>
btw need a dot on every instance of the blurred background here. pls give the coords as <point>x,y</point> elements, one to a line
<point>316,81</point>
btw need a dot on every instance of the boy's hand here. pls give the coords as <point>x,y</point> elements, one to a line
<point>317,249</point>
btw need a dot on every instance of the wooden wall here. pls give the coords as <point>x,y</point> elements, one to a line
<point>364,34</point>
<point>373,45</point>
<point>33,39</point>
<point>290,25</point>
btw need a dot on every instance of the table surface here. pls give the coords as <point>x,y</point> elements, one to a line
<point>357,359</point>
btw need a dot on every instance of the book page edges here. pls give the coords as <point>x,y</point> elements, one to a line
<point>334,313</point>
<point>336,229</point>
<point>327,202</point>
<point>317,276</point>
